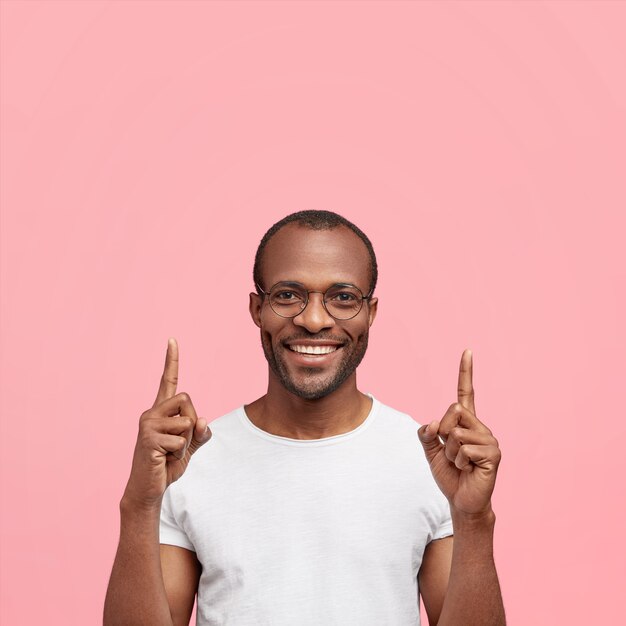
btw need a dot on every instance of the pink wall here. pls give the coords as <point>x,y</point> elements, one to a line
<point>146,146</point>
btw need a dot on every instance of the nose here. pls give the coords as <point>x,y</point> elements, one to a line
<point>314,317</point>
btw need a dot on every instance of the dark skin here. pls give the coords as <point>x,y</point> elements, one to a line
<point>306,256</point>
<point>152,584</point>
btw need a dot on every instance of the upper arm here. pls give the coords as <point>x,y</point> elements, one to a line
<point>181,573</point>
<point>433,576</point>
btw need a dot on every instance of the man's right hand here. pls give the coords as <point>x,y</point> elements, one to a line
<point>169,433</point>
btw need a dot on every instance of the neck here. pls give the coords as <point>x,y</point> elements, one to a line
<point>282,413</point>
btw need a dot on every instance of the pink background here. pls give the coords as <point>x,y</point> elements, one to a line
<point>146,147</point>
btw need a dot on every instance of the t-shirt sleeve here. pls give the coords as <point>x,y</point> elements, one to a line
<point>445,526</point>
<point>170,531</point>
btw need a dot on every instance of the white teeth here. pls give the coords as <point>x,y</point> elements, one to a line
<point>313,349</point>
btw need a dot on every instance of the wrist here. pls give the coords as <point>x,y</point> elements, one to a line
<point>475,521</point>
<point>133,506</point>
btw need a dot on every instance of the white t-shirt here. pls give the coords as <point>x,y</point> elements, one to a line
<point>317,532</point>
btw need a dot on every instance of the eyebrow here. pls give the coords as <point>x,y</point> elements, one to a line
<point>294,283</point>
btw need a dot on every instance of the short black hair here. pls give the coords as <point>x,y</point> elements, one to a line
<point>316,220</point>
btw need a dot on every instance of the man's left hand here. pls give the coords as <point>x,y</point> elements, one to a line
<point>465,464</point>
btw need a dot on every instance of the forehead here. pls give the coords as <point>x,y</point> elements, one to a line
<point>316,258</point>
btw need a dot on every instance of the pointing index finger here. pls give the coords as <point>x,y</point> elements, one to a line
<point>169,379</point>
<point>465,388</point>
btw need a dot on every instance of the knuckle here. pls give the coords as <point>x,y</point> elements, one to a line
<point>486,432</point>
<point>456,433</point>
<point>144,429</point>
<point>184,397</point>
<point>145,440</point>
<point>462,454</point>
<point>182,421</point>
<point>186,423</point>
<point>170,379</point>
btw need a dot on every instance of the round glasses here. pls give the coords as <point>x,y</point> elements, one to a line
<point>341,301</point>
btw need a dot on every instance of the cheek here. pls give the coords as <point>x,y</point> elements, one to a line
<point>271,327</point>
<point>357,329</point>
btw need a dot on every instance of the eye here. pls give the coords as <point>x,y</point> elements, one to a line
<point>285,295</point>
<point>344,296</point>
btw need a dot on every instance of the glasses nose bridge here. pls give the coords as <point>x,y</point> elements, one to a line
<point>308,291</point>
<point>307,305</point>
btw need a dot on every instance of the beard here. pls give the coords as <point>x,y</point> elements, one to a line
<point>313,385</point>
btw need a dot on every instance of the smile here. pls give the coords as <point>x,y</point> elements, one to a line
<point>313,349</point>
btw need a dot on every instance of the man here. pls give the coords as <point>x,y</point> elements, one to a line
<point>315,504</point>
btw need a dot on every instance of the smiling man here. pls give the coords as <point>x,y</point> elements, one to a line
<point>315,504</point>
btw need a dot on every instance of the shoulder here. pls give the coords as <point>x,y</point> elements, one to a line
<point>225,443</point>
<point>396,431</point>
<point>227,430</point>
<point>393,419</point>
<point>226,423</point>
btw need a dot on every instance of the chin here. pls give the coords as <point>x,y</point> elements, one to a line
<point>310,393</point>
<point>312,390</point>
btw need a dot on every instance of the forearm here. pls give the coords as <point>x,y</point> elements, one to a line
<point>473,596</point>
<point>136,593</point>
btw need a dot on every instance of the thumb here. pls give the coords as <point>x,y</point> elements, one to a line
<point>429,438</point>
<point>201,434</point>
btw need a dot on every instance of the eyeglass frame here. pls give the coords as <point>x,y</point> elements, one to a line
<point>308,291</point>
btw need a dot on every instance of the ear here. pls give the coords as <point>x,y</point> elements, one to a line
<point>372,309</point>
<point>256,302</point>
